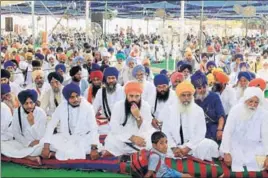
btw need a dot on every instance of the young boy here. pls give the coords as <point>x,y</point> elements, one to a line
<point>157,158</point>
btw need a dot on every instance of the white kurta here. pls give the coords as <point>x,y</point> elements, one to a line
<point>111,98</point>
<point>83,127</point>
<point>43,90</point>
<point>115,140</point>
<point>228,98</point>
<point>19,148</point>
<point>6,120</point>
<point>149,91</point>
<point>15,88</point>
<point>125,75</point>
<point>48,103</point>
<point>245,139</point>
<point>263,74</point>
<point>194,130</point>
<point>162,105</point>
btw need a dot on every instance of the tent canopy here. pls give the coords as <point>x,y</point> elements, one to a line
<point>134,9</point>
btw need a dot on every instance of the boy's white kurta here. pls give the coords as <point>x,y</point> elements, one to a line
<point>194,130</point>
<point>43,90</point>
<point>6,120</point>
<point>245,138</point>
<point>112,98</point>
<point>228,98</point>
<point>162,105</point>
<point>119,134</point>
<point>19,148</point>
<point>83,127</point>
<point>48,103</point>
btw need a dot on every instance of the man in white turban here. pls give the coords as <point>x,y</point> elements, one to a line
<point>245,137</point>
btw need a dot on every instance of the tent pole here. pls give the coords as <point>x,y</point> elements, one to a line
<point>33,24</point>
<point>181,31</point>
<point>87,19</point>
<point>201,28</point>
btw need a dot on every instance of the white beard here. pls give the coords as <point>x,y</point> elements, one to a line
<point>247,113</point>
<point>202,97</point>
<point>240,91</point>
<point>186,108</point>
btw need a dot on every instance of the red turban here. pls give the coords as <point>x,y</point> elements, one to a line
<point>133,87</point>
<point>96,74</point>
<point>258,82</point>
<point>221,77</point>
<point>176,76</point>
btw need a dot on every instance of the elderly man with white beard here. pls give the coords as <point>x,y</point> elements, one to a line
<point>186,127</point>
<point>130,123</point>
<point>52,97</point>
<point>126,72</point>
<point>263,73</point>
<point>164,96</point>
<point>148,88</point>
<point>211,104</point>
<point>245,137</point>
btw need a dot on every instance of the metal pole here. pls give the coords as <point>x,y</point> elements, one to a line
<point>147,26</point>
<point>105,22</point>
<point>247,23</point>
<point>181,31</point>
<point>201,28</point>
<point>33,24</point>
<point>87,19</point>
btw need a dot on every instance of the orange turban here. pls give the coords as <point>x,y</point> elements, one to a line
<point>221,77</point>
<point>258,82</point>
<point>146,61</point>
<point>133,87</point>
<point>184,86</point>
<point>62,56</point>
<point>210,49</point>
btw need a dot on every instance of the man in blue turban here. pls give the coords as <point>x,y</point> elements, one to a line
<point>126,72</point>
<point>28,128</point>
<point>78,131</point>
<point>243,80</point>
<point>211,103</point>
<point>148,88</point>
<point>108,95</point>
<point>163,96</point>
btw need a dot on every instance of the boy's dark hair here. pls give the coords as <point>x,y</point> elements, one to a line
<point>156,136</point>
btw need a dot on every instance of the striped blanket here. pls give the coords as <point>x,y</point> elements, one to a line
<point>113,164</point>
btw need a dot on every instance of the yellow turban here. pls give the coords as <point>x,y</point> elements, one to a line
<point>184,86</point>
<point>37,73</point>
<point>188,53</point>
<point>211,79</point>
<point>28,55</point>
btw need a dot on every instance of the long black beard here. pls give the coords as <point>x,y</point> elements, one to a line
<point>76,80</point>
<point>74,106</point>
<point>162,97</point>
<point>110,88</point>
<point>95,89</point>
<point>128,111</point>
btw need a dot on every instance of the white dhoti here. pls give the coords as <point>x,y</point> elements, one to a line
<point>70,146</point>
<point>14,149</point>
<point>117,147</point>
<point>205,150</point>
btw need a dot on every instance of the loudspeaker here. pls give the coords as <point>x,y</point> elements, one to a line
<point>97,18</point>
<point>9,24</point>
